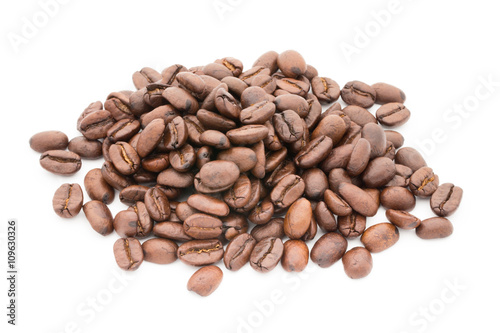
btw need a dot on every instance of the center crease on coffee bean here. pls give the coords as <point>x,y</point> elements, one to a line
<point>269,250</point>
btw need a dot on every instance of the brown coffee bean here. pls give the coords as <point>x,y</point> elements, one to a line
<point>328,249</point>
<point>182,159</point>
<point>257,113</point>
<point>411,158</point>
<point>291,63</point>
<point>324,217</point>
<point>298,219</point>
<point>85,148</point>
<point>233,225</point>
<point>393,114</point>
<point>326,89</point>
<point>380,237</point>
<point>208,204</point>
<point>359,115</point>
<point>176,134</point>
<point>244,158</point>
<point>49,140</point>
<point>259,170</point>
<point>352,226</point>
<point>376,136</point>
<point>239,194</point>
<point>287,191</point>
<point>423,182</point>
<point>247,135</point>
<point>336,204</point>
<point>336,177</point>
<point>395,137</point>
<point>238,251</point>
<point>387,93</point>
<point>273,228</point>
<point>262,213</point>
<point>145,76</point>
<point>144,224</point>
<point>203,156</point>
<point>316,183</point>
<point>295,255</point>
<point>128,253</point>
<point>379,172</point>
<point>399,198</point>
<point>124,158</point>
<point>157,204</point>
<point>68,200</point>
<point>266,254</point>
<point>60,162</point>
<point>96,124</point>
<point>202,226</point>
<point>150,137</point>
<point>125,223</point>
<point>292,102</point>
<point>337,158</point>
<point>115,178</point>
<point>293,86</point>
<point>181,100</point>
<point>171,230</point>
<point>402,219</point>
<point>201,252</point>
<point>133,193</point>
<point>435,227</point>
<point>359,200</point>
<point>402,177</point>
<point>314,152</point>
<point>219,174</point>
<point>332,126</point>
<point>358,93</point>
<point>160,251</point>
<point>156,162</point>
<point>205,280</point>
<point>174,178</point>
<point>357,262</point>
<point>99,217</point>
<point>97,188</point>
<point>360,156</point>
<point>446,199</point>
<point>288,126</point>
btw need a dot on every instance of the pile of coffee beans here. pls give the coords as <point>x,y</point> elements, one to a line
<point>220,163</point>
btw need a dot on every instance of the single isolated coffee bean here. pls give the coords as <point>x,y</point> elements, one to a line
<point>48,140</point>
<point>205,280</point>
<point>387,93</point>
<point>357,262</point>
<point>68,200</point>
<point>446,199</point>
<point>393,114</point>
<point>128,253</point>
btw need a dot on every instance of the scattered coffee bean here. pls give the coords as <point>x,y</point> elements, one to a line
<point>205,280</point>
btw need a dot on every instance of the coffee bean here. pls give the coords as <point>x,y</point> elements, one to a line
<point>266,254</point>
<point>324,217</point>
<point>332,126</point>
<point>60,162</point>
<point>239,194</point>
<point>314,152</point>
<point>393,114</point>
<point>238,251</point>
<point>160,251</point>
<point>68,200</point>
<point>376,136</point>
<point>145,76</point>
<point>387,93</point>
<point>359,115</point>
<point>260,154</point>
<point>99,217</point>
<point>155,162</point>
<point>205,280</point>
<point>247,135</point>
<point>380,237</point>
<point>288,126</point>
<point>399,198</point>
<point>298,219</point>
<point>85,148</point>
<point>157,204</point>
<point>128,253</point>
<point>351,226</point>
<point>402,219</point>
<point>182,159</point>
<point>273,228</point>
<point>124,158</point>
<point>379,172</point>
<point>316,183</point>
<point>326,89</point>
<point>336,204</point>
<point>423,182</point>
<point>336,177</point>
<point>114,178</point>
<point>219,174</point>
<point>337,158</point>
<point>291,63</point>
<point>357,262</point>
<point>446,199</point>
<point>125,223</point>
<point>262,213</point>
<point>174,178</point>
<point>176,134</point>
<point>360,156</point>
<point>202,226</point>
<point>150,137</point>
<point>49,140</point>
<point>233,225</point>
<point>411,158</point>
<point>287,191</point>
<point>171,230</point>
<point>402,176</point>
<point>181,100</point>
<point>359,200</point>
<point>245,158</point>
<point>358,93</point>
<point>258,113</point>
<point>96,124</point>
<point>208,204</point>
<point>435,227</point>
<point>295,255</point>
<point>395,137</point>
<point>133,193</point>
<point>328,249</point>
<point>201,252</point>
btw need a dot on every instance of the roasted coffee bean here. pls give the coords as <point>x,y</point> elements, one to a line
<point>137,105</point>
<point>336,177</point>
<point>402,219</point>
<point>218,71</point>
<point>171,230</point>
<point>379,172</point>
<point>393,114</point>
<point>219,174</point>
<point>257,113</point>
<point>181,100</point>
<point>374,193</point>
<point>287,191</point>
<point>274,159</point>
<point>446,199</point>
<point>247,135</point>
<point>150,137</point>
<point>210,101</point>
<point>202,226</point>
<point>268,60</point>
<point>435,227</point>
<point>214,121</point>
<point>331,126</point>
<point>312,230</point>
<point>233,64</point>
<point>359,200</point>
<point>336,204</point>
<point>238,251</point>
<point>423,182</point>
<point>97,188</point>
<point>165,112</point>
<point>208,204</point>
<point>201,252</point>
<point>203,156</point>
<point>313,114</point>
<point>262,213</point>
<point>359,115</point>
<point>68,200</point>
<point>284,169</point>
<point>176,134</point>
<point>376,136</point>
<point>145,76</point>
<point>125,223</point>
<point>358,93</point>
<point>142,176</point>
<point>144,224</point>
<point>235,86</point>
<point>255,195</point>
<point>115,178</point>
<point>380,237</point>
<point>60,162</point>
<point>99,217</point>
<point>399,198</point>
<point>411,158</point>
<point>326,89</point>
<point>314,152</point>
<point>172,193</point>
<point>205,280</point>
<point>243,157</point>
<point>239,194</point>
<point>291,63</point>
<point>387,93</point>
<point>337,158</point>
<point>360,157</point>
<point>390,151</point>
<point>182,159</point>
<point>85,148</point>
<point>169,74</point>
<point>233,225</point>
<point>324,217</point>
<point>226,104</point>
<point>157,204</point>
<point>316,183</point>
<point>395,137</point>
<point>156,162</point>
<point>96,124</point>
<point>273,228</point>
<point>288,126</point>
<point>295,255</point>
<point>357,262</point>
<point>259,170</point>
<point>328,249</point>
<point>194,83</point>
<point>292,102</point>
<point>173,178</point>
<point>124,158</point>
<point>160,251</point>
<point>402,177</point>
<point>351,226</point>
<point>266,254</point>
<point>293,86</point>
<point>49,140</point>
<point>128,253</point>
<point>298,219</point>
<point>133,193</point>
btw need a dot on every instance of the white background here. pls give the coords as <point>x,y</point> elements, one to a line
<point>439,53</point>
